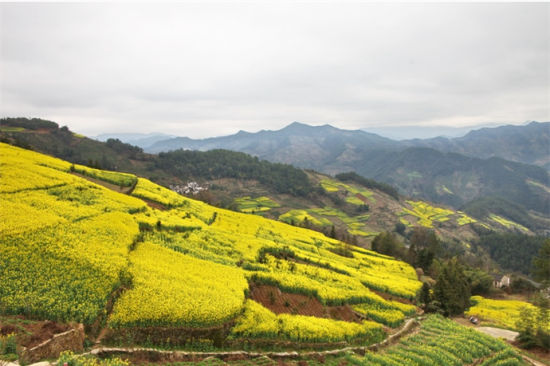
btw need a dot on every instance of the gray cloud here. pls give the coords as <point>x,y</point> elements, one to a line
<point>210,69</point>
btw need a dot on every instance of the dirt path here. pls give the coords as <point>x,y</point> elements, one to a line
<point>173,356</point>
<point>113,187</point>
<point>509,335</point>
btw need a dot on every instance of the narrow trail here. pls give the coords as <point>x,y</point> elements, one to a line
<point>111,186</point>
<point>182,356</point>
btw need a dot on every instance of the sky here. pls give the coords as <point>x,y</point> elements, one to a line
<point>206,69</point>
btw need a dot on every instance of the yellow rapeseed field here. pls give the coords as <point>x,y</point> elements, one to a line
<point>66,244</point>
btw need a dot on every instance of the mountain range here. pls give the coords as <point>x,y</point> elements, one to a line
<point>480,187</point>
<point>507,166</point>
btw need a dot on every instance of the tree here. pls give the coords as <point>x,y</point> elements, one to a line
<point>452,289</point>
<point>424,247</point>
<point>541,264</point>
<point>386,243</point>
<point>424,296</point>
<point>332,232</point>
<point>400,228</point>
<point>533,324</point>
<point>480,282</point>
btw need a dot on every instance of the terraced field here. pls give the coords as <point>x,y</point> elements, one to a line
<point>503,313</point>
<point>354,195</point>
<point>252,205</point>
<point>443,342</point>
<point>437,341</point>
<point>167,261</point>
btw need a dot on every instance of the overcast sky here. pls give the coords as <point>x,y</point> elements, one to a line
<point>198,69</point>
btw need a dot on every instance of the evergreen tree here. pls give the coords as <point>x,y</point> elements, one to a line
<point>541,264</point>
<point>332,232</point>
<point>452,289</point>
<point>424,296</point>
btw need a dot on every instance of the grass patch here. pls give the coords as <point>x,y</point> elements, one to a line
<point>258,204</point>
<point>351,192</point>
<point>507,223</point>
<point>426,214</point>
<point>11,129</point>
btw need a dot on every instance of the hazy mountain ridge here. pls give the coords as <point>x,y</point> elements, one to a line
<point>518,191</point>
<point>526,144</point>
<point>298,144</point>
<point>142,140</point>
<point>429,169</point>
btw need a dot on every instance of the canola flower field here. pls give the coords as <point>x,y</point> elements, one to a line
<point>352,193</point>
<point>425,215</point>
<point>439,342</point>
<point>259,322</point>
<point>259,204</point>
<point>67,244</point>
<point>504,313</point>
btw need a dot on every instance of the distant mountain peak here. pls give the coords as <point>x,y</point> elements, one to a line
<point>297,126</point>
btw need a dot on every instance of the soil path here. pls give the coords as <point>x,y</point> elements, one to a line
<point>409,326</point>
<point>113,187</point>
<point>509,335</point>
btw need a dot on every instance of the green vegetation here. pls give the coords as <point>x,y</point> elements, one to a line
<point>295,217</point>
<point>29,124</point>
<point>414,175</point>
<point>443,342</point>
<point>215,164</point>
<point>465,219</point>
<point>427,214</point>
<point>8,347</point>
<point>117,178</point>
<point>11,129</point>
<point>446,190</point>
<point>259,322</point>
<point>451,292</point>
<point>325,217</point>
<point>534,324</point>
<point>507,223</point>
<point>541,263</point>
<point>354,195</point>
<point>69,358</point>
<point>258,204</point>
<point>538,185</point>
<point>369,183</point>
<point>483,208</point>
<point>503,247</point>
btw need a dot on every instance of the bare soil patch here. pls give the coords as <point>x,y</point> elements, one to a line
<point>386,296</point>
<point>30,333</point>
<point>286,303</point>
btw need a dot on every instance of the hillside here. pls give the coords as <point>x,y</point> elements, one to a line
<point>155,267</point>
<point>529,144</point>
<point>358,209</point>
<point>424,173</point>
<point>462,181</point>
<point>81,245</point>
<point>141,265</point>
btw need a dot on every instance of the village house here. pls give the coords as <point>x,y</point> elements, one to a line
<point>501,281</point>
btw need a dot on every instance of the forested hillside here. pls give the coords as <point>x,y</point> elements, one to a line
<point>415,167</point>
